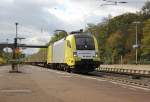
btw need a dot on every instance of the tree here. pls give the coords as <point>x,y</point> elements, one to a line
<point>57,36</point>
<point>146,40</point>
<point>2,61</point>
<point>146,10</point>
<point>115,45</point>
<point>116,36</point>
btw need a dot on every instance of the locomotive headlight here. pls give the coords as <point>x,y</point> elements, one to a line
<point>75,54</point>
<point>96,54</point>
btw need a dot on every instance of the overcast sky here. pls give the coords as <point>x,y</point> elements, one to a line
<point>39,18</point>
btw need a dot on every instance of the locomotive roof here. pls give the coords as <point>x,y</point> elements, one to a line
<point>83,35</point>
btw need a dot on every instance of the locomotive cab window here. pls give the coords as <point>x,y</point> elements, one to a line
<point>85,42</point>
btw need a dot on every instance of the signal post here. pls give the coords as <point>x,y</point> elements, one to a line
<point>16,51</point>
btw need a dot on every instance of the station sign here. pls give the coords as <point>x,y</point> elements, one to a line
<point>136,46</point>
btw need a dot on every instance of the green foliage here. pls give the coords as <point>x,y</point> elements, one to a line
<point>2,61</point>
<point>57,36</point>
<point>146,40</point>
<point>115,45</point>
<point>146,10</point>
<point>2,58</point>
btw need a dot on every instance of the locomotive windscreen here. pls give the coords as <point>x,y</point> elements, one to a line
<point>84,42</point>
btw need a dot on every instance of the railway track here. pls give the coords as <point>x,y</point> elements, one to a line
<point>126,79</point>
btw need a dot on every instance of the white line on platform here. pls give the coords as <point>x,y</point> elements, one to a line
<point>65,76</point>
<point>63,73</point>
<point>3,69</point>
<point>16,91</point>
<point>146,89</point>
<point>59,72</point>
<point>132,89</point>
<point>87,77</point>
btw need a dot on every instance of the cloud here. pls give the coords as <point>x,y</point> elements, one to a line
<point>32,17</point>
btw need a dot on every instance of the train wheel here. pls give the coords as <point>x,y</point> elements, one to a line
<point>68,69</point>
<point>64,68</point>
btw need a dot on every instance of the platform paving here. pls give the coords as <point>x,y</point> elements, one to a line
<point>37,84</point>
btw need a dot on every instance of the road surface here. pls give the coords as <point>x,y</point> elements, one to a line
<point>37,84</point>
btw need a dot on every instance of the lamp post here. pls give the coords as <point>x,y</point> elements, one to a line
<point>136,46</point>
<point>7,50</point>
<point>14,65</point>
<point>7,44</point>
<point>15,40</point>
<point>16,29</point>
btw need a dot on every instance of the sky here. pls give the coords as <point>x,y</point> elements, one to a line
<point>38,19</point>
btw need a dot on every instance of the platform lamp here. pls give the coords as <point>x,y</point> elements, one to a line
<point>136,46</point>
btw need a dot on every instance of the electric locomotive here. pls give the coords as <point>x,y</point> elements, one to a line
<point>77,52</point>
